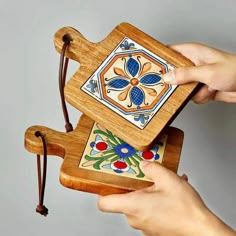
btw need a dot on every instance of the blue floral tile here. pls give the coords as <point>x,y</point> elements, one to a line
<point>130,82</point>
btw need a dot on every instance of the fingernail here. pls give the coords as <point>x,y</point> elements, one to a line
<point>144,163</point>
<point>168,77</point>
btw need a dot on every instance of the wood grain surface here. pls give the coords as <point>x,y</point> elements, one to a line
<point>70,147</point>
<point>91,55</point>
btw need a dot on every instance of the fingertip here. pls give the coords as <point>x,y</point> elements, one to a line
<point>183,47</point>
<point>181,75</point>
<point>100,203</point>
<point>115,203</point>
<point>184,177</point>
<point>151,169</point>
<point>169,77</point>
<point>145,165</point>
<point>175,47</point>
<point>186,47</point>
<point>160,175</point>
<point>108,203</point>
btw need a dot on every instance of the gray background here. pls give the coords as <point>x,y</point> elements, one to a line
<point>29,96</point>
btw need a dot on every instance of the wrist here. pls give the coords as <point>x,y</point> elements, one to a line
<point>213,226</point>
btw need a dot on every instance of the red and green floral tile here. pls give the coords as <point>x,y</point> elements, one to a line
<point>107,153</point>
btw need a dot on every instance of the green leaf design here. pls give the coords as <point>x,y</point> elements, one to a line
<point>108,135</point>
<point>112,137</point>
<point>115,159</point>
<point>106,155</point>
<point>108,151</point>
<point>89,158</point>
<point>128,161</point>
<point>138,157</point>
<point>111,144</point>
<point>102,159</point>
<point>120,140</point>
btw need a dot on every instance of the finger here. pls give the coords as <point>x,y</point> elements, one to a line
<point>198,53</point>
<point>204,94</point>
<point>183,75</point>
<point>225,97</point>
<point>184,177</point>
<point>117,203</point>
<point>158,173</point>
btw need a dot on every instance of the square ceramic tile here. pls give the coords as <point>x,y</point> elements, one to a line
<point>129,82</point>
<point>107,153</point>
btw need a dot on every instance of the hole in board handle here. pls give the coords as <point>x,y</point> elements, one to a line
<point>67,38</point>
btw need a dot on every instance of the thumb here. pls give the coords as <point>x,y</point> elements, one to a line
<point>185,75</point>
<point>155,171</point>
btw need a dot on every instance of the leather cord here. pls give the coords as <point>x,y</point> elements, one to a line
<point>41,209</point>
<point>62,78</point>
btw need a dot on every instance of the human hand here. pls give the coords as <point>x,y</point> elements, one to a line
<point>169,207</point>
<point>214,68</point>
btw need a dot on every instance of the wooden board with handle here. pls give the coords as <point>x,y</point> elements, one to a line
<point>122,113</point>
<point>70,146</point>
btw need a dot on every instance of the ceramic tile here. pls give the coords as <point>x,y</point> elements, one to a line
<point>129,82</point>
<point>107,153</point>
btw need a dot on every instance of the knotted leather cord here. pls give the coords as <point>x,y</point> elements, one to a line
<point>42,179</point>
<point>62,78</point>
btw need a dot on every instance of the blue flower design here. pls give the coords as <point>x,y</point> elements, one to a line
<point>124,150</point>
<point>143,118</point>
<point>134,80</point>
<point>126,45</point>
<point>92,86</point>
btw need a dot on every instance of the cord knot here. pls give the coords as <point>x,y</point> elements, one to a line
<point>69,127</point>
<point>42,210</point>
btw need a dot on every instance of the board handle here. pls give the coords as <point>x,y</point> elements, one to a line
<point>80,49</point>
<point>34,145</point>
<point>40,140</point>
